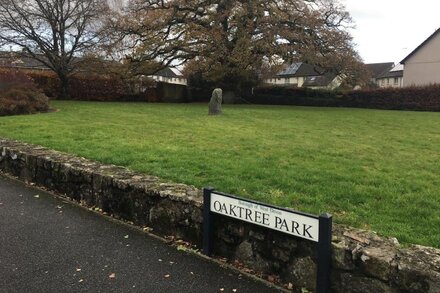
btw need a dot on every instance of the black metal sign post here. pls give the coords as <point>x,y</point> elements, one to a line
<point>208,222</point>
<point>324,253</point>
<point>317,229</point>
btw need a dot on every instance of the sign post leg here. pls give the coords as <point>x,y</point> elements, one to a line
<point>324,254</point>
<point>207,221</point>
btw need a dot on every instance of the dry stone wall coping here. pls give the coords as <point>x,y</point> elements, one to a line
<point>362,261</point>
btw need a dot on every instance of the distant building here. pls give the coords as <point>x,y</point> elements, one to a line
<point>391,78</point>
<point>18,61</point>
<point>422,66</point>
<point>169,75</point>
<point>305,75</point>
<point>378,69</point>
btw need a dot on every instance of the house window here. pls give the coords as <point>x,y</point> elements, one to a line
<point>396,81</point>
<point>388,81</point>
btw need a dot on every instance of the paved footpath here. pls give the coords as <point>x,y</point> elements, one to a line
<point>49,245</point>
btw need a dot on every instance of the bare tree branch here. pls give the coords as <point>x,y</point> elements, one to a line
<point>53,32</point>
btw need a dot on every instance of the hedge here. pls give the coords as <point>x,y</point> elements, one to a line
<point>88,87</point>
<point>107,88</point>
<point>411,98</point>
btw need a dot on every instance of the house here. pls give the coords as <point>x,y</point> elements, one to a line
<point>422,66</point>
<point>18,61</point>
<point>391,78</point>
<point>305,75</point>
<point>378,69</point>
<point>169,75</point>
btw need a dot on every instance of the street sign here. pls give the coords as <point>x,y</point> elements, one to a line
<point>297,224</point>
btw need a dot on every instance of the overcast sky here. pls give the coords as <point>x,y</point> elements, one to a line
<point>388,30</point>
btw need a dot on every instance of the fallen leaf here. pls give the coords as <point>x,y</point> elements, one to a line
<point>222,289</point>
<point>182,248</point>
<point>80,281</point>
<point>160,260</point>
<point>290,286</point>
<point>234,290</point>
<point>78,270</point>
<point>36,196</point>
<point>126,236</point>
<point>167,276</point>
<point>112,276</point>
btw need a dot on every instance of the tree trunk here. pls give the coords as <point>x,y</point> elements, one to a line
<point>64,93</point>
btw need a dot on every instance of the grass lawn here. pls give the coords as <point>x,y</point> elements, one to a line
<point>371,169</point>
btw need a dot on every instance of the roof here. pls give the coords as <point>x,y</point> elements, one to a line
<point>16,60</point>
<point>319,81</point>
<point>378,69</point>
<point>395,73</point>
<point>169,72</point>
<point>299,69</point>
<point>420,46</point>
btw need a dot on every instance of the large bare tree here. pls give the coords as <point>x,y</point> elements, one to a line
<point>233,40</point>
<point>54,32</point>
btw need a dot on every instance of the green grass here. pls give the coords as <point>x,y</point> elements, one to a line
<point>372,169</point>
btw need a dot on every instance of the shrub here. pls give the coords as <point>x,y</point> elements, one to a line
<point>90,87</point>
<point>425,98</point>
<point>13,78</point>
<point>19,95</point>
<point>46,81</point>
<point>23,100</point>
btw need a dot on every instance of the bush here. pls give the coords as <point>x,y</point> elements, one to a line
<point>412,98</point>
<point>23,100</point>
<point>46,81</point>
<point>13,78</point>
<point>90,87</point>
<point>19,95</point>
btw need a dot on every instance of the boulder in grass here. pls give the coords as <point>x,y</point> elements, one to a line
<point>215,105</point>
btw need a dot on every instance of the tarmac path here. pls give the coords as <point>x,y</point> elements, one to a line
<point>50,245</point>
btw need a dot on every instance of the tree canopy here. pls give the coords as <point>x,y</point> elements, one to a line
<point>231,42</point>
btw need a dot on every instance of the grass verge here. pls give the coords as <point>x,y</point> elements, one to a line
<point>371,169</point>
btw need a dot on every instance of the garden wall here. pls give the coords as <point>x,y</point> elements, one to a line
<point>361,260</point>
<point>410,98</point>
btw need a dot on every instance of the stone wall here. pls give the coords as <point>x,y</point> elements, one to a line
<point>361,260</point>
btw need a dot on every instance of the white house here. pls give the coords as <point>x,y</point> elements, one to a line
<point>169,75</point>
<point>422,66</point>
<point>391,78</point>
<point>376,70</point>
<point>305,75</point>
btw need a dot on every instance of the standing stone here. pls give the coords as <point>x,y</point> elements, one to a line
<point>215,105</point>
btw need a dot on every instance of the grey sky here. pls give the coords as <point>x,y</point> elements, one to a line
<point>388,30</point>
